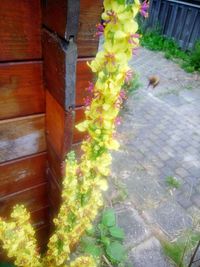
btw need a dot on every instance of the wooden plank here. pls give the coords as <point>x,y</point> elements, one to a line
<point>21,137</point>
<point>20,30</point>
<point>22,173</point>
<point>42,236</point>
<point>51,11</point>
<point>58,126</point>
<point>54,193</point>
<point>55,71</point>
<point>90,12</point>
<point>55,163</point>
<point>54,67</point>
<point>35,198</point>
<point>20,83</point>
<point>83,77</point>
<point>90,15</point>
<point>40,218</point>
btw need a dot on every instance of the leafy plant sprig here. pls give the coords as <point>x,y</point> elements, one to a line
<point>105,240</point>
<point>85,180</point>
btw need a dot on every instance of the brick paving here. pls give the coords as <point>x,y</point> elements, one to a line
<point>160,137</point>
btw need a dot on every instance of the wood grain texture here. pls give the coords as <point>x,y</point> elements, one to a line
<point>90,15</point>
<point>22,173</point>
<point>22,136</point>
<point>58,126</point>
<point>51,11</point>
<point>40,218</point>
<point>20,30</point>
<point>54,67</point>
<point>21,89</point>
<point>42,236</point>
<point>54,191</point>
<point>55,163</point>
<point>83,76</point>
<point>55,71</point>
<point>34,198</point>
<point>90,12</point>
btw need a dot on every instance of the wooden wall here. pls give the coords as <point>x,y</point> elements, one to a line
<point>36,126</point>
<point>22,113</point>
<point>60,121</point>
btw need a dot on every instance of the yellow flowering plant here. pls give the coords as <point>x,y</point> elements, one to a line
<point>85,180</point>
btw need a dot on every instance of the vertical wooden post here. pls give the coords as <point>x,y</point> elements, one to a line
<point>69,41</point>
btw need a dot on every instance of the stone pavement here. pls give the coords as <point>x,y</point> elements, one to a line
<point>160,137</point>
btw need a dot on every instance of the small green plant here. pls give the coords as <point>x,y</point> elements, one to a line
<point>133,85</point>
<point>180,251</point>
<point>105,240</point>
<point>172,182</point>
<point>154,40</point>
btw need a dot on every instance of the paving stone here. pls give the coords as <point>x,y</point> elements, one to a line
<point>181,172</point>
<point>160,137</point>
<point>171,217</point>
<point>195,171</point>
<point>196,199</point>
<point>134,227</point>
<point>149,254</point>
<point>184,200</point>
<point>144,190</point>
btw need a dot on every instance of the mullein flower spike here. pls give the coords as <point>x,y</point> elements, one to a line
<point>85,180</point>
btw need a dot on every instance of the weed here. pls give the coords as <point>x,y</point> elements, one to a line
<point>133,85</point>
<point>179,250</point>
<point>189,61</point>
<point>172,182</point>
<point>105,241</point>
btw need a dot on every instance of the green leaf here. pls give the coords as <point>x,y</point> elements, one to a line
<point>117,232</point>
<point>93,250</point>
<point>115,252</point>
<point>103,230</point>
<point>108,218</point>
<point>105,240</point>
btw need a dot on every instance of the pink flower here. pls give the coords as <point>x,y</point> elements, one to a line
<point>90,88</point>
<point>135,50</point>
<point>144,9</point>
<point>128,76</point>
<point>112,17</point>
<point>87,101</point>
<point>132,38</point>
<point>100,29</point>
<point>118,121</point>
<point>122,94</point>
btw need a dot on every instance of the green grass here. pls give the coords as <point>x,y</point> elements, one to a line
<point>172,182</point>
<point>179,250</point>
<point>189,61</point>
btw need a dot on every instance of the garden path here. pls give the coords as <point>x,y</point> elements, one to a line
<point>160,138</point>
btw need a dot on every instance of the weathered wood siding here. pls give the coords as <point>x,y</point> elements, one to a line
<point>60,121</point>
<point>177,19</point>
<point>22,113</point>
<point>36,127</point>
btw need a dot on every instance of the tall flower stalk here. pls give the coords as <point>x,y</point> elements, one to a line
<point>84,180</point>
